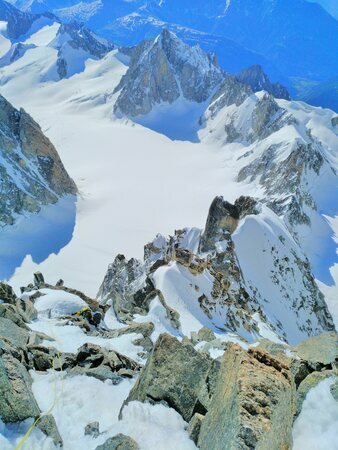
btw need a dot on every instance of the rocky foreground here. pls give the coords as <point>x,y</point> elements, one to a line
<point>246,398</point>
<point>181,339</point>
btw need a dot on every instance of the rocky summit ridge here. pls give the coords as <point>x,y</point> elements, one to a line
<point>204,268</point>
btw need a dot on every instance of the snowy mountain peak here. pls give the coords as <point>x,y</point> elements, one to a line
<point>76,43</point>
<point>163,70</point>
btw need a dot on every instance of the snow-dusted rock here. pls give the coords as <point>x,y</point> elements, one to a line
<point>163,70</point>
<point>177,374</point>
<point>245,273</point>
<point>75,44</point>
<point>32,173</point>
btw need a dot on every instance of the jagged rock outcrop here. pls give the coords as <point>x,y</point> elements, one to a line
<point>17,401</point>
<point>222,221</point>
<point>31,170</point>
<point>252,406</point>
<point>178,375</point>
<point>258,80</point>
<point>161,71</point>
<point>284,181</point>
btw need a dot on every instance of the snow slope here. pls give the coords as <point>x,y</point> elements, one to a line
<point>135,182</point>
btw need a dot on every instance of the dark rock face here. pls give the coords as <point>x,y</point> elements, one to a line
<point>222,220</point>
<point>178,375</point>
<point>128,287</point>
<point>252,406</point>
<point>94,361</point>
<point>247,206</point>
<point>32,173</point>
<point>93,429</point>
<point>255,77</point>
<point>163,69</point>
<point>7,294</point>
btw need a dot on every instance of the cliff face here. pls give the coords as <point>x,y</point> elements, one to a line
<point>163,70</point>
<point>32,173</point>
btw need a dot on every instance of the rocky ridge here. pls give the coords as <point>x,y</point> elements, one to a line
<point>208,265</point>
<point>245,398</point>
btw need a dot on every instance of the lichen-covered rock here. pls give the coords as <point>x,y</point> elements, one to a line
<point>178,375</point>
<point>334,389</point>
<point>252,406</point>
<point>9,311</point>
<point>119,442</point>
<point>144,328</point>
<point>204,334</point>
<point>17,401</point>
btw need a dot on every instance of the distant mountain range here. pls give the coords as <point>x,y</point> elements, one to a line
<point>293,40</point>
